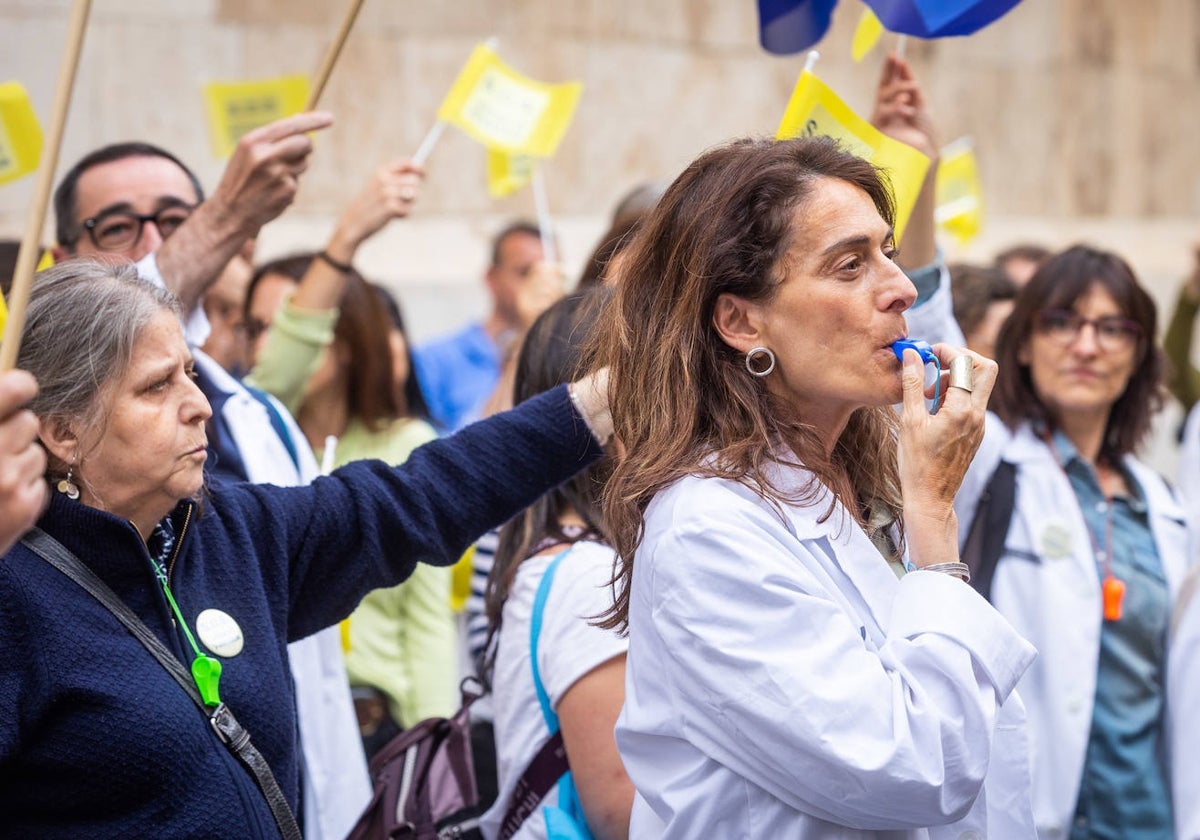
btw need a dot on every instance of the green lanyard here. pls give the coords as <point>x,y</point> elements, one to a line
<point>206,670</point>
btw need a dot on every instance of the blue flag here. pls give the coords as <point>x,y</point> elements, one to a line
<point>789,26</point>
<point>938,18</point>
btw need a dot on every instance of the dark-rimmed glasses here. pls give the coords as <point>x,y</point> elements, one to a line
<point>119,230</point>
<point>1113,333</point>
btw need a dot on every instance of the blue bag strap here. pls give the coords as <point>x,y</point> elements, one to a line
<point>535,630</point>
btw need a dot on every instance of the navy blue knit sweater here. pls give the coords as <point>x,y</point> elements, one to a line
<point>97,740</point>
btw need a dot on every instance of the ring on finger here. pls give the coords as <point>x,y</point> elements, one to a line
<point>962,373</point>
<point>407,194</point>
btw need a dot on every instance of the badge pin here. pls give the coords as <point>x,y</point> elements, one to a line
<point>220,633</point>
<point>1056,540</point>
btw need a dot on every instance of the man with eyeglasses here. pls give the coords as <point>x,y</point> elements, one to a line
<point>139,202</point>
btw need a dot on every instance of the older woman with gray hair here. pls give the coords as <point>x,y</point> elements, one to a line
<point>102,738</point>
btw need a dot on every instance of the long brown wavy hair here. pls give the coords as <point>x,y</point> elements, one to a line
<point>682,400</point>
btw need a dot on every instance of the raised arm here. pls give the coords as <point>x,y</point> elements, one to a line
<point>902,112</point>
<point>259,183</point>
<point>287,361</point>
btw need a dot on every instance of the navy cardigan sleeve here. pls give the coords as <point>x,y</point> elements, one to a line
<point>367,524</point>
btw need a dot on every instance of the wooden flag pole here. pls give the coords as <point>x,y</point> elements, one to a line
<point>331,56</point>
<point>27,256</point>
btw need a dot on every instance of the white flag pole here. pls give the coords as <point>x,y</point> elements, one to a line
<point>435,131</point>
<point>542,206</point>
<point>431,138</point>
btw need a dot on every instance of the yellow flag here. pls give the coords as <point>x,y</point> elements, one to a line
<point>815,110</point>
<point>20,133</point>
<point>234,108</point>
<point>507,111</point>
<point>460,580</point>
<point>866,34</point>
<point>508,173</point>
<point>959,203</point>
<point>3,313</point>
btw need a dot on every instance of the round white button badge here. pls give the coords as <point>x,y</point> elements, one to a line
<point>220,633</point>
<point>1056,540</point>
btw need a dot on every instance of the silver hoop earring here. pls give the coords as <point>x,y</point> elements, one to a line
<point>67,487</point>
<point>750,361</point>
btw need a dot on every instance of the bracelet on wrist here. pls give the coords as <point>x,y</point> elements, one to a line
<point>344,268</point>
<point>958,570</point>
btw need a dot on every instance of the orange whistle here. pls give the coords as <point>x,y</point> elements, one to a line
<point>1114,595</point>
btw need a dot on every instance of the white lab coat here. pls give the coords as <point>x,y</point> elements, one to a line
<point>782,682</point>
<point>1183,703</point>
<point>1048,585</point>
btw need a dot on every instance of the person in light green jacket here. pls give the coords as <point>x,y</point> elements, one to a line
<point>328,346</point>
<point>1184,381</point>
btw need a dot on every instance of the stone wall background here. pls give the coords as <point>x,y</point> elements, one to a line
<point>1085,113</point>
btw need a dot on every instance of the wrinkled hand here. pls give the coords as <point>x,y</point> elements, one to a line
<point>261,178</point>
<point>901,110</point>
<point>936,449</point>
<point>390,194</point>
<point>544,286</point>
<point>23,490</point>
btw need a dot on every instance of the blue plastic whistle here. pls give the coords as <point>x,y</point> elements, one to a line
<point>922,347</point>
<point>927,358</point>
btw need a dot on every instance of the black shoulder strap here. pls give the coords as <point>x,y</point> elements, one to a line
<point>230,732</point>
<point>989,528</point>
<point>546,768</point>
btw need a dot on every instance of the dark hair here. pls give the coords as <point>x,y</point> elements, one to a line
<point>1028,251</point>
<point>512,229</point>
<point>414,404</point>
<point>362,327</point>
<point>615,240</point>
<point>550,356</point>
<point>975,288</point>
<point>1058,284</point>
<point>681,399</point>
<point>67,228</point>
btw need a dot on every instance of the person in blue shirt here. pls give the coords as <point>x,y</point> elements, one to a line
<point>458,372</point>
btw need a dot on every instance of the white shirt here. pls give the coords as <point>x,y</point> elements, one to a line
<point>568,648</point>
<point>782,682</point>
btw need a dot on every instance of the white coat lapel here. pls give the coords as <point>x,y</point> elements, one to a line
<point>856,573</point>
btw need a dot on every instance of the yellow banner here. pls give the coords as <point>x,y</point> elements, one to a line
<point>233,108</point>
<point>507,111</point>
<point>866,34</point>
<point>508,173</point>
<point>815,110</point>
<point>20,133</point>
<point>959,202</point>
